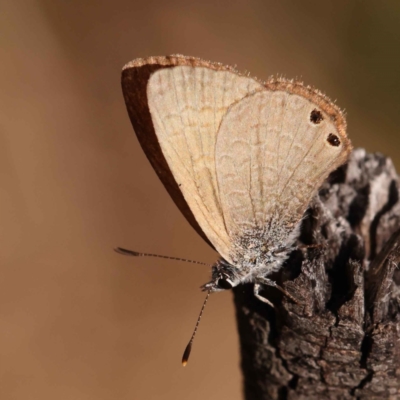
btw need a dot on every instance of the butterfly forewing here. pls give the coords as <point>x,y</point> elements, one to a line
<point>187,105</point>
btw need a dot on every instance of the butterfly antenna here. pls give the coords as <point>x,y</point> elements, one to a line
<point>126,252</point>
<point>188,349</point>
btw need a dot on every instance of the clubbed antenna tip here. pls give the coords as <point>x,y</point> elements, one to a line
<point>126,252</point>
<point>186,354</point>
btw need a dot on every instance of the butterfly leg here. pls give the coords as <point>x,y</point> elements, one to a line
<point>269,282</point>
<point>257,289</point>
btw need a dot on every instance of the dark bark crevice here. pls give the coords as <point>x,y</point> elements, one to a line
<point>343,340</point>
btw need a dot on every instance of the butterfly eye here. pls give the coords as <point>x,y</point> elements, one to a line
<point>224,283</point>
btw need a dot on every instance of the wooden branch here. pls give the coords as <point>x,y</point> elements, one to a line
<point>342,340</point>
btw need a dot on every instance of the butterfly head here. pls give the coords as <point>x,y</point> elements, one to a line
<point>224,276</point>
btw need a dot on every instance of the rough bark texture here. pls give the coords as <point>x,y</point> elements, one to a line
<point>342,340</point>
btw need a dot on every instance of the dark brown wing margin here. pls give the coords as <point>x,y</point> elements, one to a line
<point>135,76</point>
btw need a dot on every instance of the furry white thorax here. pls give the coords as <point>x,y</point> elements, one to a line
<point>256,253</point>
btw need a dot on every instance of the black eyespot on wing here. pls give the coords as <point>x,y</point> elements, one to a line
<point>333,140</point>
<point>316,116</point>
<point>224,284</point>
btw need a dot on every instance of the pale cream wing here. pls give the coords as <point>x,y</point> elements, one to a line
<point>187,105</point>
<point>272,154</point>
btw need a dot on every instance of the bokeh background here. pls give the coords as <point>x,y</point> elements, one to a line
<point>78,321</point>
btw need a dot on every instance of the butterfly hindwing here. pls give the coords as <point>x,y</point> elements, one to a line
<point>271,158</point>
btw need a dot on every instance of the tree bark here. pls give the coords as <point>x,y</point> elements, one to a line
<point>341,341</point>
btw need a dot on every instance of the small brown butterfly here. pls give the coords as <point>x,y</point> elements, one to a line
<point>241,158</point>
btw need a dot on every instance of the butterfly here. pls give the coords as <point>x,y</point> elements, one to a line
<point>241,158</point>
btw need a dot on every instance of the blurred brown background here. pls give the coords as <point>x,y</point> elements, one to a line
<point>78,321</point>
